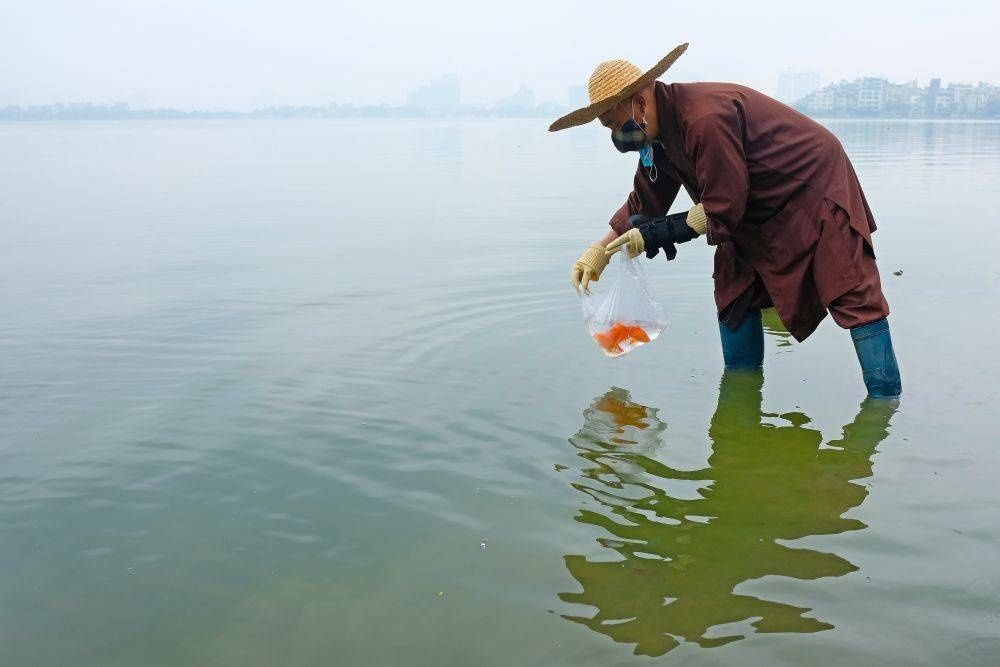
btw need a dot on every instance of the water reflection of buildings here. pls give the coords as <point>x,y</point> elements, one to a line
<point>679,556</point>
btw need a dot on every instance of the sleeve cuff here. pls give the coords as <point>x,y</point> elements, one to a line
<point>716,233</point>
<point>619,221</point>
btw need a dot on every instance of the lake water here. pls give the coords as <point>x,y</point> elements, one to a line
<point>319,393</point>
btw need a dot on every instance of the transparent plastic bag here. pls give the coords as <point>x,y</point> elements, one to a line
<point>627,315</point>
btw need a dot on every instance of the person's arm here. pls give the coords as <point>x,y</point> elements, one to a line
<point>645,228</point>
<point>655,198</point>
<point>647,198</point>
<point>649,235</point>
<point>715,143</point>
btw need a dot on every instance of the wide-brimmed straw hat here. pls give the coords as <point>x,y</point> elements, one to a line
<point>612,82</point>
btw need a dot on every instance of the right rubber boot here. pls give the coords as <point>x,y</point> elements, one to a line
<point>744,346</point>
<point>879,369</point>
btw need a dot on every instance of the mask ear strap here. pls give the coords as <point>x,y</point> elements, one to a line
<point>653,173</point>
<point>643,125</point>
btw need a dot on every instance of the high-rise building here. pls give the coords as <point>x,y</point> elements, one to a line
<point>440,95</point>
<point>930,98</point>
<point>963,98</point>
<point>793,86</point>
<point>521,100</point>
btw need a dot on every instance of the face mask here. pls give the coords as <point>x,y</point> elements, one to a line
<point>631,136</point>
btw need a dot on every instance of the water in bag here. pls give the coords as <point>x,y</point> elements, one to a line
<point>627,315</point>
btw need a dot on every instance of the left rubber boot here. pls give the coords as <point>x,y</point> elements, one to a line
<point>873,343</point>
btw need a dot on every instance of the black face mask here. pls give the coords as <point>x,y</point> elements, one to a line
<point>631,136</point>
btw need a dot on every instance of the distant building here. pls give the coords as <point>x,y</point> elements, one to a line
<point>903,100</point>
<point>823,101</point>
<point>793,86</point>
<point>963,99</point>
<point>438,96</point>
<point>930,97</point>
<point>522,100</point>
<point>871,95</point>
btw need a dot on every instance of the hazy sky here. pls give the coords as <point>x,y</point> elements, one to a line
<point>239,54</point>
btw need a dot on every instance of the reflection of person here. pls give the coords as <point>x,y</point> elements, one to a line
<point>775,194</point>
<point>681,559</point>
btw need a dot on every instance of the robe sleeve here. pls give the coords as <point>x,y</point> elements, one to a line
<point>716,144</point>
<point>647,197</point>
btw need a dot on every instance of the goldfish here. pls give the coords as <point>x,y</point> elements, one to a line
<point>611,340</point>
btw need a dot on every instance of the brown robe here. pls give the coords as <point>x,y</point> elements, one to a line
<point>768,177</point>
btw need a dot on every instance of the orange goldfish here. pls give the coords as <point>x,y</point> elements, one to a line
<point>619,333</point>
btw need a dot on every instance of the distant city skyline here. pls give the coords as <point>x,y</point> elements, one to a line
<point>879,97</point>
<point>441,98</point>
<point>442,95</point>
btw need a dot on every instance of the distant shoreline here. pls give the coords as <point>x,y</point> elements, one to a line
<point>253,118</point>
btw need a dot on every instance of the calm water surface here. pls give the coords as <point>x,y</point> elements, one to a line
<point>319,393</point>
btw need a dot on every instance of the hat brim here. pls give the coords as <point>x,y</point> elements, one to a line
<point>592,111</point>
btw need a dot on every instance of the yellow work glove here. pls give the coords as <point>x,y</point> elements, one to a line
<point>588,267</point>
<point>631,241</point>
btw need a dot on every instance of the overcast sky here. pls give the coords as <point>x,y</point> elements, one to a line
<point>240,54</point>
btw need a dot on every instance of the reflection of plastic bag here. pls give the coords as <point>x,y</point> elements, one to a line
<point>627,315</point>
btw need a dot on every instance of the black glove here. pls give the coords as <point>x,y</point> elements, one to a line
<point>663,233</point>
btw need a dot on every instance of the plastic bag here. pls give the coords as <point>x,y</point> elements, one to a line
<point>627,315</point>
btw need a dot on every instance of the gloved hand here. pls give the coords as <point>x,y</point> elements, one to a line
<point>631,241</point>
<point>588,267</point>
<point>651,234</point>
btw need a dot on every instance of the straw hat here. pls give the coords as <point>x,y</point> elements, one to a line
<point>612,82</point>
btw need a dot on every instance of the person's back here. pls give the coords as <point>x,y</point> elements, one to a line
<point>785,151</point>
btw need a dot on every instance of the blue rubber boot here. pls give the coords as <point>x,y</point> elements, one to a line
<point>744,347</point>
<point>873,343</point>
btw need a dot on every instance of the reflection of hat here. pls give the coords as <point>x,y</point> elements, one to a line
<point>612,82</point>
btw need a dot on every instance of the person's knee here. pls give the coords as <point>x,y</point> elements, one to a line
<point>743,347</point>
<point>864,304</point>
